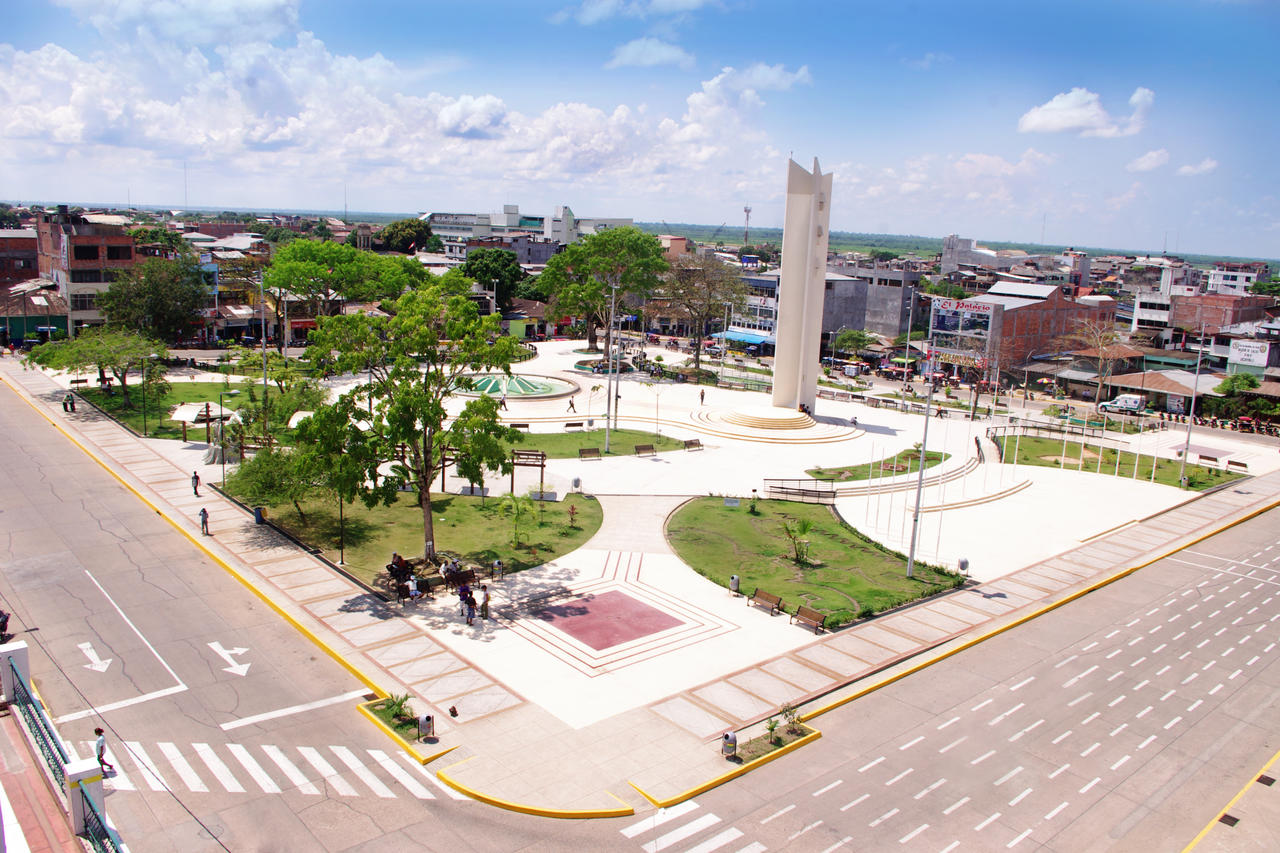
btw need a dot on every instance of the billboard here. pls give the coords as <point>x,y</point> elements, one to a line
<point>1249,353</point>
<point>960,330</point>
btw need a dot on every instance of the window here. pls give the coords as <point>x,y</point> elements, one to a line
<point>84,301</point>
<point>86,276</point>
<point>119,253</point>
<point>85,253</point>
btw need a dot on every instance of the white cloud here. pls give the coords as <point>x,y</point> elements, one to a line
<point>972,166</point>
<point>647,52</point>
<point>590,12</point>
<point>190,21</point>
<point>1204,167</point>
<point>1151,160</point>
<point>472,117</point>
<point>1126,198</point>
<point>927,61</point>
<point>1082,110</point>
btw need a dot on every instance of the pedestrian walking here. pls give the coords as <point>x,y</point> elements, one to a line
<point>204,521</point>
<point>502,403</point>
<point>484,601</point>
<point>572,407</point>
<point>5,636</point>
<point>471,609</point>
<point>100,747</point>
<point>195,483</point>
<point>71,401</point>
<point>702,397</point>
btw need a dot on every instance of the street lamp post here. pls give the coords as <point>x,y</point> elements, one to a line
<point>835,335</point>
<point>1191,412</point>
<point>144,391</point>
<point>609,378</point>
<point>924,446</point>
<point>222,431</point>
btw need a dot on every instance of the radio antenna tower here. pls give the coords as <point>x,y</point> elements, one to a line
<point>746,227</point>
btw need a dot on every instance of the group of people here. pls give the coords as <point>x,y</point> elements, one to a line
<point>467,602</point>
<point>452,572</point>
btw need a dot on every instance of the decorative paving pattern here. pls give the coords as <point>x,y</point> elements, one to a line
<point>605,620</point>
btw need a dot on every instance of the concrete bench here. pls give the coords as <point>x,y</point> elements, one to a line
<point>645,450</point>
<point>1233,465</point>
<point>693,444</point>
<point>524,427</point>
<point>589,453</point>
<point>575,425</point>
<point>773,602</point>
<point>809,616</point>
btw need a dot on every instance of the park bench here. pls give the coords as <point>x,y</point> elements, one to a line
<point>79,381</point>
<point>460,577</point>
<point>589,453</point>
<point>574,425</point>
<point>693,444</point>
<point>524,427</point>
<point>645,450</point>
<point>1233,465</point>
<point>761,597</point>
<point>809,616</point>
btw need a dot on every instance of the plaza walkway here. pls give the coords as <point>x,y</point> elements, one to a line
<point>616,663</point>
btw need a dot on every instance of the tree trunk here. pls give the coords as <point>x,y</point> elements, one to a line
<point>426,474</point>
<point>591,333</point>
<point>301,515</point>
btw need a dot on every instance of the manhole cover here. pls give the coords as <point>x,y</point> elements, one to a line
<point>1266,780</point>
<point>1229,820</point>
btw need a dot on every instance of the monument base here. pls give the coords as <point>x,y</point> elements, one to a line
<point>768,417</point>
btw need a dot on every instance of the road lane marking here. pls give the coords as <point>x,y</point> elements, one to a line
<point>899,776</point>
<point>1089,719</point>
<point>1090,749</point>
<point>1020,797</point>
<point>913,833</point>
<point>930,789</point>
<point>948,722</point>
<point>1167,695</point>
<point>254,769</point>
<point>326,771</point>
<point>1034,725</point>
<point>957,804</point>
<point>1060,738</point>
<point>1116,701</point>
<point>1118,729</point>
<point>679,834</point>
<point>1119,763</point>
<point>1172,723</point>
<point>660,817</point>
<point>1058,772</point>
<point>219,770</point>
<point>179,763</point>
<point>1063,663</point>
<point>1194,705</point>
<point>1019,838</point>
<point>953,743</point>
<point>1023,683</point>
<point>801,832</point>
<point>984,703</point>
<point>986,822</point>
<point>821,791</point>
<point>1057,809</point>
<point>717,841</point>
<point>864,768</point>
<point>1086,788</point>
<point>998,719</point>
<point>1146,742</point>
<point>1143,712</point>
<point>149,772</point>
<point>983,757</point>
<point>778,813</point>
<point>1091,645</point>
<point>410,784</point>
<point>1138,661</point>
<point>291,772</point>
<point>842,842</point>
<point>295,709</point>
<point>1079,699</point>
<point>911,743</point>
<point>1006,777</point>
<point>883,817</point>
<point>853,803</point>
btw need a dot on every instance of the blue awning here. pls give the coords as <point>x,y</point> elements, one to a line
<point>745,337</point>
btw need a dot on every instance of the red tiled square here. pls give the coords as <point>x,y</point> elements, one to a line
<point>606,620</point>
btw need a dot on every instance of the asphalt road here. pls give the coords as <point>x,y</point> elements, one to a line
<point>228,728</point>
<point>1122,721</point>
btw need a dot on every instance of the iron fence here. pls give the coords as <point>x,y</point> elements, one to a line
<point>38,724</point>
<point>96,832</point>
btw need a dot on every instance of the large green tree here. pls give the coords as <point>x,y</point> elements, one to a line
<point>162,296</point>
<point>106,350</point>
<point>700,287</point>
<point>581,279</point>
<point>854,340</point>
<point>325,274</point>
<point>408,235</point>
<point>166,237</point>
<point>411,366</point>
<point>497,270</point>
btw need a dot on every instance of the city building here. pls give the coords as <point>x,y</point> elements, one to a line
<point>82,255</point>
<point>19,258</point>
<point>562,226</point>
<point>1237,278</point>
<point>528,249</point>
<point>1215,311</point>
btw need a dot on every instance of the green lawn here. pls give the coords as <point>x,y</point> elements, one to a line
<point>901,463</point>
<point>1047,452</point>
<point>846,575</point>
<point>956,402</point>
<point>158,425</point>
<point>475,530</point>
<point>622,442</point>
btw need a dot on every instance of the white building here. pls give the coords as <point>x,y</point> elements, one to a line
<point>561,227</point>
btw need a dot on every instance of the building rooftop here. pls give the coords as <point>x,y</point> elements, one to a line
<point>1024,290</point>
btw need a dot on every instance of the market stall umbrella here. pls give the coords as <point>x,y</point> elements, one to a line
<point>902,360</point>
<point>1044,380</point>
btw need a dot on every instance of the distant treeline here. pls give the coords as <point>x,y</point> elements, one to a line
<point>901,244</point>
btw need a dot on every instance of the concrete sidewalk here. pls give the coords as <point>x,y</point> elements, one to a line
<point>546,719</point>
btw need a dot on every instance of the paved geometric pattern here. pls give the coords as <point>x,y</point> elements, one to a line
<point>604,620</point>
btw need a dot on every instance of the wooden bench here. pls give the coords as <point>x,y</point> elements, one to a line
<point>766,598</point>
<point>574,425</point>
<point>460,577</point>
<point>809,616</point>
<point>524,427</point>
<point>693,444</point>
<point>79,381</point>
<point>645,450</point>
<point>1233,465</point>
<point>589,453</point>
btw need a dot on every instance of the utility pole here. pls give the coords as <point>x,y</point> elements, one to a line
<point>746,226</point>
<point>608,364</point>
<point>924,447</point>
<point>1191,413</point>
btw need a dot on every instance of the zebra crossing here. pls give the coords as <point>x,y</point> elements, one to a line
<point>235,768</point>
<point>718,837</point>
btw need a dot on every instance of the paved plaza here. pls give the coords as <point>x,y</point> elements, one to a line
<point>622,657</point>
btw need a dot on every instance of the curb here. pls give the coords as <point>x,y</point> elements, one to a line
<point>731,775</point>
<point>364,708</point>
<point>1221,812</point>
<point>537,811</point>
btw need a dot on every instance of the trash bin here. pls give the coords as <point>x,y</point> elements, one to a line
<point>259,515</point>
<point>734,583</point>
<point>729,745</point>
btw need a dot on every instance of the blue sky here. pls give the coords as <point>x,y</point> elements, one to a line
<point>1121,124</point>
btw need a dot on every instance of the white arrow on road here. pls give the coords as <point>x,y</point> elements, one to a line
<point>95,663</point>
<point>227,655</point>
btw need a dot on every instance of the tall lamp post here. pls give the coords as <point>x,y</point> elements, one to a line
<point>222,431</point>
<point>1191,412</point>
<point>924,446</point>
<point>610,402</point>
<point>835,335</point>
<point>144,391</point>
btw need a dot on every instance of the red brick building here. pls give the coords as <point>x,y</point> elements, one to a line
<point>18,256</point>
<point>1215,310</point>
<point>82,255</point>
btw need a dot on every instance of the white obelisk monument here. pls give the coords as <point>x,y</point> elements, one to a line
<point>798,330</point>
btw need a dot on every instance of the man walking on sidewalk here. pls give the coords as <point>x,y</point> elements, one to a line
<point>100,747</point>
<point>204,521</point>
<point>195,483</point>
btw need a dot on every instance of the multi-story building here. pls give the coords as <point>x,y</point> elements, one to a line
<point>1237,278</point>
<point>82,255</point>
<point>19,258</point>
<point>1215,311</point>
<point>527,248</point>
<point>561,227</point>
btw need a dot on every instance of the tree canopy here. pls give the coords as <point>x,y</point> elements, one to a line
<point>104,349</point>
<point>854,340</point>
<point>1270,287</point>
<point>496,270</point>
<point>411,365</point>
<point>166,237</point>
<point>700,286</point>
<point>580,279</point>
<point>408,235</point>
<point>324,273</point>
<point>161,295</point>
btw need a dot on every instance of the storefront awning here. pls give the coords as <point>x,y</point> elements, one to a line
<point>745,337</point>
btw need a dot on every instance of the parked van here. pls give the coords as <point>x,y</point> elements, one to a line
<point>1125,404</point>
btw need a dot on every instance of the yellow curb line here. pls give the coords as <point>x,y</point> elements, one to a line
<point>366,709</point>
<point>1232,802</point>
<point>1027,618</point>
<point>731,775</point>
<point>537,811</point>
<point>360,676</point>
